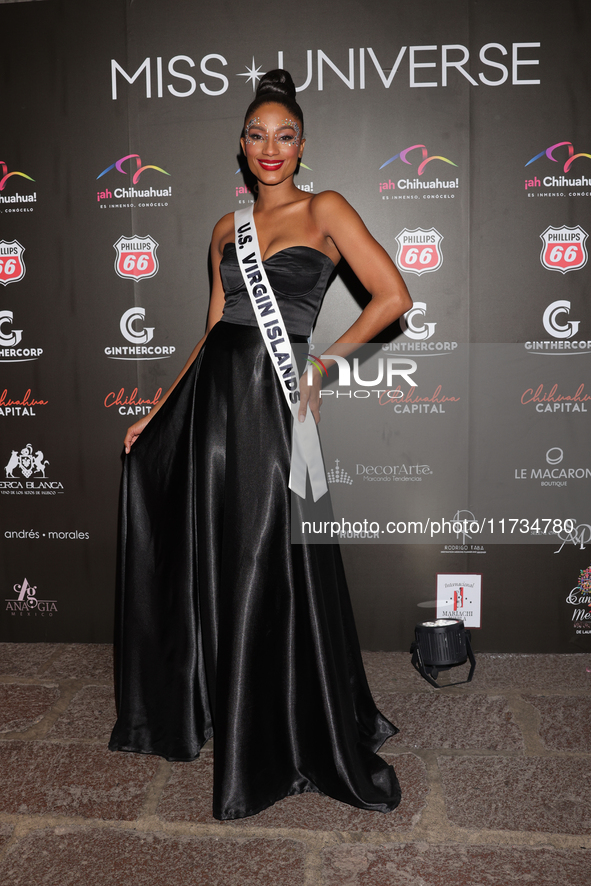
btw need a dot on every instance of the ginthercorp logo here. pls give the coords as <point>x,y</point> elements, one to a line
<point>27,602</point>
<point>563,248</point>
<point>136,169</point>
<point>557,324</point>
<point>412,323</point>
<point>13,199</point>
<point>420,162</point>
<point>132,329</point>
<point>564,176</point>
<point>9,341</point>
<point>12,265</point>
<point>136,257</point>
<point>554,320</point>
<point>419,250</point>
<point>25,474</point>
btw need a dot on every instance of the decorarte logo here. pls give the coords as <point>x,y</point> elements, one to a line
<point>417,184</point>
<point>136,257</point>
<point>12,264</point>
<point>419,251</point>
<point>13,199</point>
<point>564,248</point>
<point>27,602</point>
<point>25,474</point>
<point>133,193</point>
<point>561,180</point>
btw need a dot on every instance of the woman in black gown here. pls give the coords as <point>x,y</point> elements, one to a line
<point>224,627</point>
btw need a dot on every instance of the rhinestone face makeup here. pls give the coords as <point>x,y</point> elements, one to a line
<point>288,133</point>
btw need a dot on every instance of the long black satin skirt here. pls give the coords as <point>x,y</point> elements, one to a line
<point>224,627</point>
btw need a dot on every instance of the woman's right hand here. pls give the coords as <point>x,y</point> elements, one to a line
<point>134,431</point>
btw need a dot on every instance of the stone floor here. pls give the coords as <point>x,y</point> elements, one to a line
<point>495,775</point>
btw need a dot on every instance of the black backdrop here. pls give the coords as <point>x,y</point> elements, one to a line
<point>481,88</point>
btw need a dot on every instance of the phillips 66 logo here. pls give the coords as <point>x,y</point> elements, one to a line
<point>136,257</point>
<point>12,266</point>
<point>564,248</point>
<point>419,250</point>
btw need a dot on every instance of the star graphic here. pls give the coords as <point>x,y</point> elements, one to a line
<point>253,74</point>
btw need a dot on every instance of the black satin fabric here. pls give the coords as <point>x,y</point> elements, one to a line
<point>224,626</point>
<point>299,276</point>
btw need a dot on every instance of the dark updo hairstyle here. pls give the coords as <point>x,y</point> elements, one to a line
<point>276,86</point>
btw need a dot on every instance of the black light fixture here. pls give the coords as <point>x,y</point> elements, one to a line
<point>440,645</point>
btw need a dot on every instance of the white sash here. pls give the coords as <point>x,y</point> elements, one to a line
<point>305,446</point>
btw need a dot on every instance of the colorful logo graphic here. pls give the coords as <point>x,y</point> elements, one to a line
<point>6,175</point>
<point>118,165</point>
<point>564,248</point>
<point>419,250</point>
<point>425,155</point>
<point>136,257</point>
<point>12,265</point>
<point>549,153</point>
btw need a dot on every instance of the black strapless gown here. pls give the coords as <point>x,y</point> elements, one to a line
<point>224,627</point>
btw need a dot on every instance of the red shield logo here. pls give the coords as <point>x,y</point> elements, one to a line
<point>564,248</point>
<point>419,250</point>
<point>12,265</point>
<point>136,257</point>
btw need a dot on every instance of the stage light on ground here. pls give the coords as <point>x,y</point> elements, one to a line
<point>440,645</point>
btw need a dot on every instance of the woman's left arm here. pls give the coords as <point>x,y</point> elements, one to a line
<point>342,226</point>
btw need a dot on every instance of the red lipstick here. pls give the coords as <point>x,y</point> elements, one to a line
<point>271,165</point>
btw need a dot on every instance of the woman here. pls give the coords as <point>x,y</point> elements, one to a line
<point>225,628</point>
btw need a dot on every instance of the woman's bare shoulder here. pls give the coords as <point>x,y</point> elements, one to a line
<point>326,206</point>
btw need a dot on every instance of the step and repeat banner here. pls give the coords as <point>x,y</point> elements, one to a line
<point>457,449</point>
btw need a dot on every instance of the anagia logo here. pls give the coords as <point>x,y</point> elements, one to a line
<point>425,158</point>
<point>27,601</point>
<point>419,250</point>
<point>6,175</point>
<point>549,153</point>
<point>12,265</point>
<point>564,248</point>
<point>136,257</point>
<point>118,165</point>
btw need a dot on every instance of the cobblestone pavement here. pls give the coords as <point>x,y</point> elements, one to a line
<point>495,775</point>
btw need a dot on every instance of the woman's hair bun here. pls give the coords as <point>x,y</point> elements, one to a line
<point>276,82</point>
